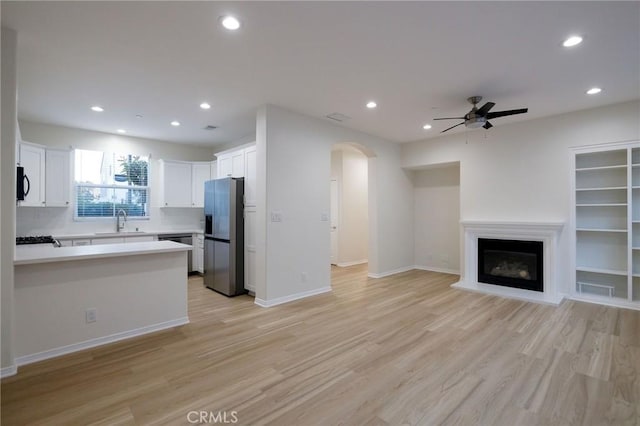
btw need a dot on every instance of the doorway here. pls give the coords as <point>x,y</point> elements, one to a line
<point>349,206</point>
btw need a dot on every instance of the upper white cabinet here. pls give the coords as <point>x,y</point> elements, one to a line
<point>200,173</point>
<point>183,183</point>
<point>32,158</point>
<point>57,178</point>
<point>176,183</point>
<point>231,163</point>
<point>49,176</point>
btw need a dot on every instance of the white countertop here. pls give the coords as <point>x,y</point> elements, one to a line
<point>126,234</point>
<point>46,253</point>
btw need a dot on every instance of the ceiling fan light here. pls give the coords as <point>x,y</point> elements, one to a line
<point>474,124</point>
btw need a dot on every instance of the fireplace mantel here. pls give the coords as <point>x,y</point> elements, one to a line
<point>547,232</point>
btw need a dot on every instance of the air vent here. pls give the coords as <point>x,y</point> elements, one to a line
<point>210,127</point>
<point>336,116</point>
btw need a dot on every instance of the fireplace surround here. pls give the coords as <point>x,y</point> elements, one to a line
<point>543,234</point>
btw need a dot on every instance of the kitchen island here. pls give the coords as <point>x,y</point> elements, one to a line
<point>72,298</point>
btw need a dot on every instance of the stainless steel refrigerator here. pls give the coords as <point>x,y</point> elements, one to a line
<point>224,235</point>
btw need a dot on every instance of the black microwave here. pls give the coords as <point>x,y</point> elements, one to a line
<point>22,190</point>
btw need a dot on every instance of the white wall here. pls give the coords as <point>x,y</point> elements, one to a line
<point>131,294</point>
<point>521,171</point>
<point>294,153</point>
<point>7,195</point>
<point>436,218</point>
<point>350,168</point>
<point>59,221</point>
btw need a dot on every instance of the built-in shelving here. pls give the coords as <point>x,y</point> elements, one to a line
<point>607,223</point>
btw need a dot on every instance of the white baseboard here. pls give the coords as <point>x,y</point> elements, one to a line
<point>8,371</point>
<point>63,350</point>
<point>605,301</point>
<point>434,269</point>
<point>355,262</point>
<point>290,298</point>
<point>393,272</point>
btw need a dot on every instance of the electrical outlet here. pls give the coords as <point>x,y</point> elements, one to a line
<point>91,315</point>
<point>304,277</point>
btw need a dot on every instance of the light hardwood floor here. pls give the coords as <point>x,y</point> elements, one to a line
<point>406,349</point>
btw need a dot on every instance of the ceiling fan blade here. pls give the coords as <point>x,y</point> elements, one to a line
<point>452,127</point>
<point>487,125</point>
<point>505,113</point>
<point>485,108</point>
<point>450,118</point>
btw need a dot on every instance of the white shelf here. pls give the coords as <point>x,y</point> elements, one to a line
<point>602,270</point>
<point>600,230</point>
<point>586,169</point>
<point>611,188</point>
<point>602,205</point>
<point>606,217</point>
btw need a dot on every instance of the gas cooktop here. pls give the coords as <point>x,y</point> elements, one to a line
<point>41,239</point>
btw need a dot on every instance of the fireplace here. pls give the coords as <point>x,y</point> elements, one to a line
<point>545,235</point>
<point>511,263</point>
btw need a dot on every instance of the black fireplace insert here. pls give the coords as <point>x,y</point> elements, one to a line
<point>511,263</point>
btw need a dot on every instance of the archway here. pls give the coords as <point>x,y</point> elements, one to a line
<point>351,205</point>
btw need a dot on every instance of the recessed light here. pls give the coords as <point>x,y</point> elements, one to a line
<point>572,41</point>
<point>426,126</point>
<point>594,91</point>
<point>175,123</point>
<point>121,131</point>
<point>97,108</point>
<point>371,104</point>
<point>205,105</point>
<point>230,22</point>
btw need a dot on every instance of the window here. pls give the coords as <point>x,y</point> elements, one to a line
<point>108,182</point>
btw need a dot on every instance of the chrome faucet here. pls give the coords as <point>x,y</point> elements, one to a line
<point>120,225</point>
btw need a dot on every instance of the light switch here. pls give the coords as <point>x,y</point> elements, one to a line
<point>324,217</point>
<point>276,216</point>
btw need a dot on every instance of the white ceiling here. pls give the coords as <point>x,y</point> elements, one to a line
<point>417,60</point>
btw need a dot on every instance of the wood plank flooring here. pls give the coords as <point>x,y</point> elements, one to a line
<point>405,349</point>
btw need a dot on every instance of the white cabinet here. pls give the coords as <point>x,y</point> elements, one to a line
<point>32,158</point>
<point>57,178</point>
<point>606,222</point>
<point>198,253</point>
<point>176,183</point>
<point>49,175</point>
<point>109,240</point>
<point>231,163</point>
<point>200,173</point>
<point>250,177</point>
<point>224,167</point>
<point>182,183</point>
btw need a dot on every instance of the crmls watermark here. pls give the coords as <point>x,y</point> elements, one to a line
<point>219,417</point>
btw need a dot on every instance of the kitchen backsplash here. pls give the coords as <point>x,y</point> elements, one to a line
<point>59,221</point>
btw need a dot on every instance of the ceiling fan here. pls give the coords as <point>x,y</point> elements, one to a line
<point>479,117</point>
